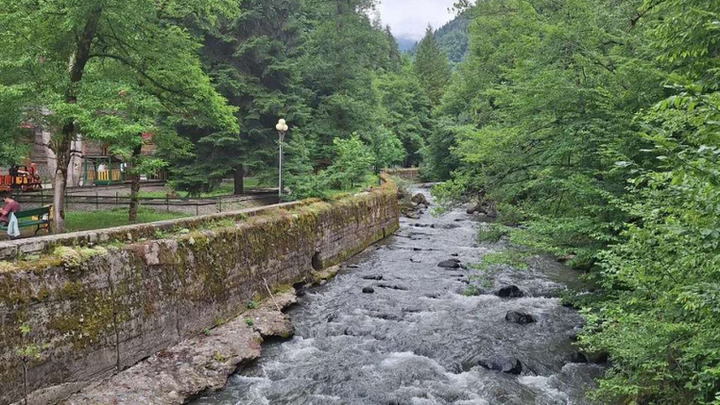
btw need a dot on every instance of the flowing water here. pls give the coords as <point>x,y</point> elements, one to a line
<point>424,335</point>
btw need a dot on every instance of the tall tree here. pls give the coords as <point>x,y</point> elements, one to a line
<point>61,54</point>
<point>344,50</point>
<point>253,61</point>
<point>432,67</point>
<point>405,110</point>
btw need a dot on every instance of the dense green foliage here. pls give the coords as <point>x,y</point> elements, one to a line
<point>109,70</point>
<point>595,125</point>
<point>432,67</point>
<point>252,60</point>
<point>452,38</point>
<point>330,71</point>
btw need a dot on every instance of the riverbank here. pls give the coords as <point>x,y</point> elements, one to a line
<point>197,364</point>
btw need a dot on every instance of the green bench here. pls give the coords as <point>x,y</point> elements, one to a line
<point>39,217</point>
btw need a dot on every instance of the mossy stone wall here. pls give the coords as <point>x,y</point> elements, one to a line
<point>86,313</point>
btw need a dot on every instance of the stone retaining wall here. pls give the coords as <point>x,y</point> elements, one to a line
<point>83,310</point>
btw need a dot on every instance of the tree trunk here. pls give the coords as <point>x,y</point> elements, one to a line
<point>63,155</point>
<point>134,183</point>
<point>63,146</point>
<point>59,185</point>
<point>239,180</point>
<point>134,198</point>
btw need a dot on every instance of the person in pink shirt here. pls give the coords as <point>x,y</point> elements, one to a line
<point>11,206</point>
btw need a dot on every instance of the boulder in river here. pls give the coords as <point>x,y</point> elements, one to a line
<point>474,208</point>
<point>509,365</point>
<point>419,198</point>
<point>578,357</point>
<point>368,290</point>
<point>511,291</point>
<point>450,264</point>
<point>519,317</point>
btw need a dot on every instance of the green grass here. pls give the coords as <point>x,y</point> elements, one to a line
<point>370,180</point>
<point>492,233</point>
<point>90,220</point>
<point>512,258</point>
<point>225,189</point>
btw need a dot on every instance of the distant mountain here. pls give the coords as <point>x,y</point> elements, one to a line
<point>452,39</point>
<point>406,44</point>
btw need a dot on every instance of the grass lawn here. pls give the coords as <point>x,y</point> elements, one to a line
<point>224,189</point>
<point>370,180</point>
<point>90,220</point>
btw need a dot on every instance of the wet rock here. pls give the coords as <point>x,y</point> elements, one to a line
<point>392,287</point>
<point>519,317</point>
<point>368,290</point>
<point>511,291</point>
<point>455,254</point>
<point>578,358</point>
<point>450,264</point>
<point>485,208</point>
<point>413,215</point>
<point>473,208</point>
<point>509,365</point>
<point>419,198</point>
<point>376,278</point>
<point>597,358</point>
<point>386,316</point>
<point>353,266</point>
<point>566,258</point>
<point>448,226</point>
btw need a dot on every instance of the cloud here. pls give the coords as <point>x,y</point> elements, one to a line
<point>410,18</point>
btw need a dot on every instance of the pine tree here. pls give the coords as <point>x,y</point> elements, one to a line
<point>405,109</point>
<point>432,67</point>
<point>344,52</point>
<point>253,61</point>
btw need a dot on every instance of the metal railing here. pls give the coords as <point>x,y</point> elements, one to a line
<point>97,201</point>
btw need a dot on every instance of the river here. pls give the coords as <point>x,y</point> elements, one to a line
<point>424,336</point>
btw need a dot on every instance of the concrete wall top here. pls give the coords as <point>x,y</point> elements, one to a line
<point>12,249</point>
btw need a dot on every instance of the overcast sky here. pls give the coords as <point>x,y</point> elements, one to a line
<point>410,18</point>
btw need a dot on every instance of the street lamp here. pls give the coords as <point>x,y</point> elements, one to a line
<point>282,128</point>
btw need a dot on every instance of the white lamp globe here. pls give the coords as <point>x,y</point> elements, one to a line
<point>279,126</point>
<point>285,128</point>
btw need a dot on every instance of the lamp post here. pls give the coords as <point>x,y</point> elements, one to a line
<point>282,128</point>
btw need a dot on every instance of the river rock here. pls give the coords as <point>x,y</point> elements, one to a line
<point>450,264</point>
<point>509,365</point>
<point>511,291</point>
<point>368,290</point>
<point>578,357</point>
<point>519,317</point>
<point>419,198</point>
<point>474,208</point>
